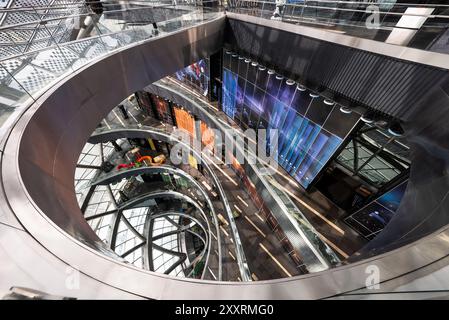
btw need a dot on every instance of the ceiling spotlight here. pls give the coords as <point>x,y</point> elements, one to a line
<point>395,129</point>
<point>329,102</point>
<point>254,64</point>
<point>228,52</point>
<point>279,77</point>
<point>241,58</point>
<point>345,110</point>
<point>247,60</point>
<point>235,55</point>
<point>367,118</point>
<point>313,95</point>
<point>270,71</point>
<point>300,87</point>
<point>262,68</point>
<point>290,82</point>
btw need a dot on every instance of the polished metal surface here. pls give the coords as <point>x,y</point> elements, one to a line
<point>38,165</point>
<point>433,59</point>
<point>417,25</point>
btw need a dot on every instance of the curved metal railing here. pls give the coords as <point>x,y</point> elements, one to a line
<point>167,135</point>
<point>26,76</point>
<point>421,26</point>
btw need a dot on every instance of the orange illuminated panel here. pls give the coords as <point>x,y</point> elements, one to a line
<point>185,121</point>
<point>207,135</point>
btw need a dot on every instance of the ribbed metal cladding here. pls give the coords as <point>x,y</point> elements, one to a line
<point>389,85</point>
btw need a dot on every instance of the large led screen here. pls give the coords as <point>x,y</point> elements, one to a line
<point>310,131</point>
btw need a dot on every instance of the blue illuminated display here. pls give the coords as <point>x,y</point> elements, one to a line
<point>255,99</point>
<point>229,93</point>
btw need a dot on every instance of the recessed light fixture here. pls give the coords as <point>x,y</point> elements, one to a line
<point>300,87</point>
<point>396,130</point>
<point>329,102</point>
<point>270,71</point>
<point>247,60</point>
<point>241,58</point>
<point>279,77</point>
<point>254,64</point>
<point>290,82</point>
<point>235,55</point>
<point>367,118</point>
<point>228,52</point>
<point>314,95</point>
<point>345,110</point>
<point>262,68</point>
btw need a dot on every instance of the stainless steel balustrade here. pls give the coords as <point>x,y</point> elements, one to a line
<point>390,22</point>
<point>133,203</point>
<point>106,134</point>
<point>117,175</point>
<point>25,77</point>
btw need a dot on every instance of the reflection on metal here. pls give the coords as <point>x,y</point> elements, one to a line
<point>35,67</point>
<point>400,21</point>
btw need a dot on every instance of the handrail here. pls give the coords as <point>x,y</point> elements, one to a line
<point>380,24</point>
<point>305,5</point>
<point>176,194</point>
<point>351,2</point>
<point>83,4</point>
<point>244,271</point>
<point>69,55</point>
<point>44,21</point>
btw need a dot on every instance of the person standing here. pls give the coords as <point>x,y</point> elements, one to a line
<point>277,14</point>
